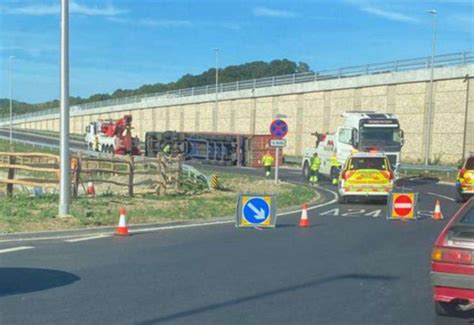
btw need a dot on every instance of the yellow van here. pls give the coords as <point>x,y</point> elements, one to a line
<point>465,180</point>
<point>365,175</point>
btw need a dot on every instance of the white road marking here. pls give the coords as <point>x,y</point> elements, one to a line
<point>333,212</point>
<point>86,238</point>
<point>442,196</point>
<point>182,226</point>
<point>374,214</point>
<point>353,212</point>
<point>314,206</point>
<point>14,249</point>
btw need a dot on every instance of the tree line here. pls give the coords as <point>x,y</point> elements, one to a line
<point>252,70</point>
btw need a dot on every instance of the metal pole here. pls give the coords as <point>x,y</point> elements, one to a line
<point>217,87</point>
<point>430,103</point>
<point>277,153</point>
<point>64,186</point>
<point>11,101</point>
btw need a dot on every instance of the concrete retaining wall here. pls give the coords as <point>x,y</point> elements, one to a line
<point>315,106</point>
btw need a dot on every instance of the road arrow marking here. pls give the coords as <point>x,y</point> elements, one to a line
<point>259,214</point>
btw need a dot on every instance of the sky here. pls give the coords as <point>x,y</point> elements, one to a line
<point>127,43</point>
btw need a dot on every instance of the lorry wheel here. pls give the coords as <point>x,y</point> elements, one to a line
<point>306,170</point>
<point>341,199</point>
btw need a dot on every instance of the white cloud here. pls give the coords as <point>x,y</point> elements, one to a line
<point>146,22</point>
<point>32,44</point>
<point>94,10</point>
<point>389,14</point>
<point>269,12</point>
<point>54,9</point>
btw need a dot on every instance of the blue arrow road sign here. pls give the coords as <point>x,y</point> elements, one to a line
<point>256,210</point>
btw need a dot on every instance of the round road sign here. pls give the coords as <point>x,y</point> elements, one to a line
<point>256,210</point>
<point>403,205</point>
<point>279,129</point>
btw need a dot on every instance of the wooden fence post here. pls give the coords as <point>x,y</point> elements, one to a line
<point>11,174</point>
<point>131,170</point>
<point>77,175</point>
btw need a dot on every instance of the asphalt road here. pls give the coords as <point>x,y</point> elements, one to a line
<point>43,139</point>
<point>351,267</point>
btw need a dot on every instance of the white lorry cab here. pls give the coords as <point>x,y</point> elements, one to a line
<point>361,131</point>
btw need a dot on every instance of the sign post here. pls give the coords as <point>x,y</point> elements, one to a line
<point>278,129</point>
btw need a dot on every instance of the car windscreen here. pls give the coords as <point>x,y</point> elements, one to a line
<point>470,163</point>
<point>368,163</point>
<point>468,217</point>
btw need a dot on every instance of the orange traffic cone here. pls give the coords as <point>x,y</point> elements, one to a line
<point>304,221</point>
<point>122,229</point>
<point>437,215</point>
<point>90,191</point>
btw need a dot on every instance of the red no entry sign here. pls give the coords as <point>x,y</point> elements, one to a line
<point>403,206</point>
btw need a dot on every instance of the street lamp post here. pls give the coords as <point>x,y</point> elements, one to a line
<point>430,103</point>
<point>11,100</point>
<point>65,167</point>
<point>217,89</point>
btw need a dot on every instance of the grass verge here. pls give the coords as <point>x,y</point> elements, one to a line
<point>23,213</point>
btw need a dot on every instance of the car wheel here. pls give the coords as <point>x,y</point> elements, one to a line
<point>445,308</point>
<point>460,198</point>
<point>306,170</point>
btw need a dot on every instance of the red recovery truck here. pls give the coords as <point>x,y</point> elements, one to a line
<point>110,136</point>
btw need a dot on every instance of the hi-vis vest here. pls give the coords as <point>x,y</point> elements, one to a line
<point>334,162</point>
<point>315,163</point>
<point>267,160</point>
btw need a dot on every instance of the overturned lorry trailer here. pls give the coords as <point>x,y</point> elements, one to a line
<point>224,149</point>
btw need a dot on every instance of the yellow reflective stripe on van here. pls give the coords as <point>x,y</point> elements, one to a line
<point>368,177</point>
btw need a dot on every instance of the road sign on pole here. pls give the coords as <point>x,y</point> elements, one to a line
<point>402,205</point>
<point>256,210</point>
<point>278,129</point>
<point>278,143</point>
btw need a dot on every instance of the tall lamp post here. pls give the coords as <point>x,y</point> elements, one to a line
<point>217,90</point>
<point>65,167</point>
<point>11,101</point>
<point>430,103</point>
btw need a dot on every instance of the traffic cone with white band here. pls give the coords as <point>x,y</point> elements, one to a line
<point>304,221</point>
<point>90,191</point>
<point>437,215</point>
<point>122,229</point>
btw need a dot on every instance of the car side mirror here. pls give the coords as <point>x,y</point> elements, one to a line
<point>402,138</point>
<point>354,138</point>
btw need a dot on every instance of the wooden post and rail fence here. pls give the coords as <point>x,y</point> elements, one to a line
<point>42,170</point>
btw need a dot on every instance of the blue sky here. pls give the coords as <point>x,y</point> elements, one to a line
<point>127,43</point>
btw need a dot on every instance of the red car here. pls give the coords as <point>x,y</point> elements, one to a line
<point>452,266</point>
